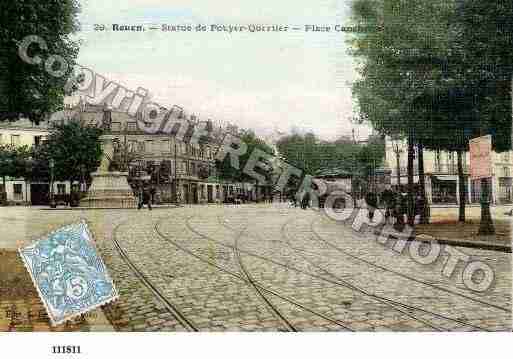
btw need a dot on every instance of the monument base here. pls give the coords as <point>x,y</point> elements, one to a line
<point>109,190</point>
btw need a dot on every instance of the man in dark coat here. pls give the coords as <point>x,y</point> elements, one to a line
<point>372,202</point>
<point>144,197</point>
<point>389,198</point>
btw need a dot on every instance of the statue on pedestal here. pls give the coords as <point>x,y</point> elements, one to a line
<point>110,189</point>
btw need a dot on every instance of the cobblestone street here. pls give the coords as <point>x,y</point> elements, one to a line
<point>269,268</point>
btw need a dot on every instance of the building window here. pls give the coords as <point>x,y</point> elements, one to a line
<point>505,157</point>
<point>61,189</point>
<point>142,146</point>
<point>18,191</point>
<point>116,126</point>
<point>37,140</point>
<point>451,164</point>
<point>149,146</point>
<point>132,145</point>
<point>438,161</point>
<point>131,126</point>
<point>15,140</point>
<point>506,172</point>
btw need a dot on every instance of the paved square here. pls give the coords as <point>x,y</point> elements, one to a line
<point>273,268</point>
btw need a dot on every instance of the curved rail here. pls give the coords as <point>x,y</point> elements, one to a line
<point>505,309</point>
<point>396,305</point>
<point>187,324</point>
<point>339,282</point>
<point>237,275</point>
<point>252,282</point>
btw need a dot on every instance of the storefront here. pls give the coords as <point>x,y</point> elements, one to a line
<point>444,189</point>
<point>505,190</point>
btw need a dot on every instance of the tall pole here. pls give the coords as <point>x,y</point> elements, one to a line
<point>411,203</point>
<point>52,199</point>
<point>486,226</point>
<point>397,151</point>
<point>170,175</point>
<point>425,210</point>
<point>176,178</point>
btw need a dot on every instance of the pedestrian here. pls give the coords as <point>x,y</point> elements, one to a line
<point>144,198</point>
<point>153,191</point>
<point>421,207</point>
<point>401,210</point>
<point>293,199</point>
<point>139,194</point>
<point>372,202</point>
<point>147,197</point>
<point>389,198</point>
<point>305,201</point>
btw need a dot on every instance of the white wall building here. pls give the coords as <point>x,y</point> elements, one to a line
<point>441,174</point>
<point>19,133</point>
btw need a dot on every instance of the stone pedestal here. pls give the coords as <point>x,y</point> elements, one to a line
<point>109,190</point>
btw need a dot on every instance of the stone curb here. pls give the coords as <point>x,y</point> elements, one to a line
<point>450,241</point>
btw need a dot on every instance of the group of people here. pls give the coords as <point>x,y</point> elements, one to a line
<point>395,204</point>
<point>303,200</point>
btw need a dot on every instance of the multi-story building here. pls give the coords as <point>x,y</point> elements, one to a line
<point>181,169</point>
<point>23,132</point>
<point>441,174</point>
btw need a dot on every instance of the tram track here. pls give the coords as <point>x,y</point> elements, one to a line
<point>146,282</point>
<point>286,323</point>
<point>405,276</point>
<point>396,305</point>
<point>242,276</point>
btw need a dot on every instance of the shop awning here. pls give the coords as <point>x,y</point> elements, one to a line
<point>444,179</point>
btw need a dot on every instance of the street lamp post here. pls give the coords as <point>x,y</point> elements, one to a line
<point>176,177</point>
<point>29,163</point>
<point>53,204</point>
<point>83,185</point>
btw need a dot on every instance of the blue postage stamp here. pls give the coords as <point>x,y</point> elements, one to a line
<point>68,273</point>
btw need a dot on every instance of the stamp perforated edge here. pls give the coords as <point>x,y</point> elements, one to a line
<point>74,315</point>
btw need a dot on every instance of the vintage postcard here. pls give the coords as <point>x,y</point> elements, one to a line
<point>235,166</point>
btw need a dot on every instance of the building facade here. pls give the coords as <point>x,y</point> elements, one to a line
<point>179,170</point>
<point>19,133</point>
<point>441,174</point>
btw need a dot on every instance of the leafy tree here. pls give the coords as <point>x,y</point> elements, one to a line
<point>227,172</point>
<point>14,161</point>
<point>314,156</point>
<point>371,156</point>
<point>74,147</point>
<point>418,76</point>
<point>27,89</point>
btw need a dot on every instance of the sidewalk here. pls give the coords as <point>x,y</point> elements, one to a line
<point>457,234</point>
<point>457,242</point>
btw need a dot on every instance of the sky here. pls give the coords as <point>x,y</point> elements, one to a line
<point>263,81</point>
